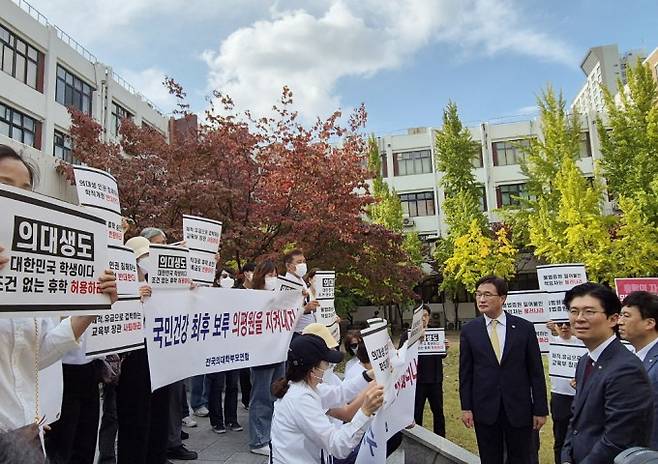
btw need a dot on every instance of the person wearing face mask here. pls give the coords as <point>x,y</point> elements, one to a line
<point>26,341</point>
<point>301,432</point>
<point>351,343</point>
<point>296,269</point>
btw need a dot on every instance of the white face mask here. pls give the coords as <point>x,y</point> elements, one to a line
<point>146,265</point>
<point>300,269</point>
<point>270,283</point>
<point>226,282</point>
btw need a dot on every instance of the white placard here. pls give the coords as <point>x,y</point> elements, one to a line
<point>201,234</point>
<point>117,332</point>
<point>543,336</point>
<point>170,264</point>
<point>560,277</point>
<point>122,261</point>
<point>395,416</point>
<point>51,389</point>
<point>528,304</point>
<point>201,267</point>
<point>377,341</point>
<point>555,306</point>
<point>564,358</point>
<point>433,343</point>
<point>323,286</point>
<point>112,222</point>
<point>56,250</point>
<point>416,329</point>
<point>209,330</point>
<point>326,313</point>
<point>97,188</point>
<point>284,284</point>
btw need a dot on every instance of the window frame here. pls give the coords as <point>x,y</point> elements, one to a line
<point>424,201</point>
<point>511,148</point>
<point>118,114</point>
<point>66,151</point>
<point>73,91</point>
<point>405,162</point>
<point>21,49</point>
<point>15,121</point>
<point>520,192</point>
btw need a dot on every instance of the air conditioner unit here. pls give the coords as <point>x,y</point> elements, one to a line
<point>407,222</point>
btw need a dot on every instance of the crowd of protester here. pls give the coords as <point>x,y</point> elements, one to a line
<point>300,410</point>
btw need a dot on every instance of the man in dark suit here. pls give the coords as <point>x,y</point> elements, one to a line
<point>638,323</point>
<point>613,406</point>
<point>501,378</point>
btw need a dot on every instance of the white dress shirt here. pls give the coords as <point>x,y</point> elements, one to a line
<point>302,433</point>
<point>501,327</point>
<point>335,393</point>
<point>596,352</point>
<point>17,351</point>
<point>305,319</point>
<point>645,351</point>
<point>354,369</point>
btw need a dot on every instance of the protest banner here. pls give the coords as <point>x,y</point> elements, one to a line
<point>51,389</point>
<point>378,344</point>
<point>170,267</point>
<point>98,190</point>
<point>528,304</point>
<point>434,342</point>
<point>323,285</point>
<point>557,311</point>
<point>416,329</point>
<point>124,265</point>
<point>624,286</point>
<point>201,234</point>
<point>560,277</point>
<point>201,267</point>
<point>564,358</point>
<point>209,330</point>
<point>543,336</point>
<point>396,415</point>
<point>117,332</point>
<point>56,253</point>
<point>284,284</point>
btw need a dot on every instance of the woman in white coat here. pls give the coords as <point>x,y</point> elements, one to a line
<point>302,433</point>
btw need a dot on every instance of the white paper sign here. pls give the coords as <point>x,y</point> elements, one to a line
<point>284,284</point>
<point>377,341</point>
<point>434,342</point>
<point>528,304</point>
<point>543,336</point>
<point>560,277</point>
<point>209,330</point>
<point>112,222</point>
<point>117,332</point>
<point>124,265</point>
<point>51,389</point>
<point>416,329</point>
<point>171,267</point>
<point>97,188</point>
<point>201,234</point>
<point>201,267</point>
<point>56,253</point>
<point>564,358</point>
<point>555,306</point>
<point>323,286</point>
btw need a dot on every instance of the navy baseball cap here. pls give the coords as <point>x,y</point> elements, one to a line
<point>308,350</point>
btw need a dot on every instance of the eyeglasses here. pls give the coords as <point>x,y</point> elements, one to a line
<point>587,313</point>
<point>485,295</point>
<point>563,324</point>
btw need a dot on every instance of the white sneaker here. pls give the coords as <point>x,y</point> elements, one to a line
<point>189,422</point>
<point>201,412</point>
<point>263,450</point>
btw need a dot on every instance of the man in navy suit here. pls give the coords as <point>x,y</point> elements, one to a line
<point>638,323</point>
<point>501,378</point>
<point>613,406</point>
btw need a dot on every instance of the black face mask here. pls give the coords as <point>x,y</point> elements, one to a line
<point>353,347</point>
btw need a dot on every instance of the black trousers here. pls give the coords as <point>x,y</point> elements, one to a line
<point>229,413</point>
<point>107,433</point>
<point>143,416</point>
<point>432,392</point>
<point>245,386</point>
<point>561,415</point>
<point>500,438</point>
<point>72,439</point>
<point>177,401</point>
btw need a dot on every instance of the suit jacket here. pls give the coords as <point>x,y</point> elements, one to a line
<point>612,411</point>
<point>517,382</point>
<point>652,371</point>
<point>430,367</point>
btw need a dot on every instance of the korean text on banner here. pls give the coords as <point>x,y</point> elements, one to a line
<point>416,329</point>
<point>560,277</point>
<point>56,253</point>
<point>201,267</point>
<point>377,343</point>
<point>394,416</point>
<point>98,189</point>
<point>124,265</point>
<point>170,267</point>
<point>323,285</point>
<point>629,285</point>
<point>528,304</point>
<point>434,342</point>
<point>117,332</point>
<point>564,359</point>
<point>209,330</point>
<point>201,234</point>
<point>543,336</point>
<point>557,311</point>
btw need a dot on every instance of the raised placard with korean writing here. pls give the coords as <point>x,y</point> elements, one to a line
<point>119,331</point>
<point>564,358</point>
<point>170,267</point>
<point>557,311</point>
<point>543,336</point>
<point>377,341</point>
<point>433,343</point>
<point>528,304</point>
<point>416,329</point>
<point>124,265</point>
<point>97,188</point>
<point>626,286</point>
<point>323,285</point>
<point>201,234</point>
<point>209,330</point>
<point>201,267</point>
<point>560,277</point>
<point>56,253</point>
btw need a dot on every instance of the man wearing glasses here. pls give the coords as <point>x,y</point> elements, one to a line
<point>613,406</point>
<point>501,378</point>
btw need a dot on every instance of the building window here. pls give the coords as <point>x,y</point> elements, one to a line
<point>384,159</point>
<point>62,148</point>
<point>119,113</point>
<point>585,145</point>
<point>510,195</point>
<point>417,204</point>
<point>478,160</point>
<point>509,152</point>
<point>72,91</point>
<point>483,198</point>
<point>412,162</point>
<point>20,127</point>
<point>19,59</point>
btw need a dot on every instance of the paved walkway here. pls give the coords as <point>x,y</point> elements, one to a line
<point>228,448</point>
